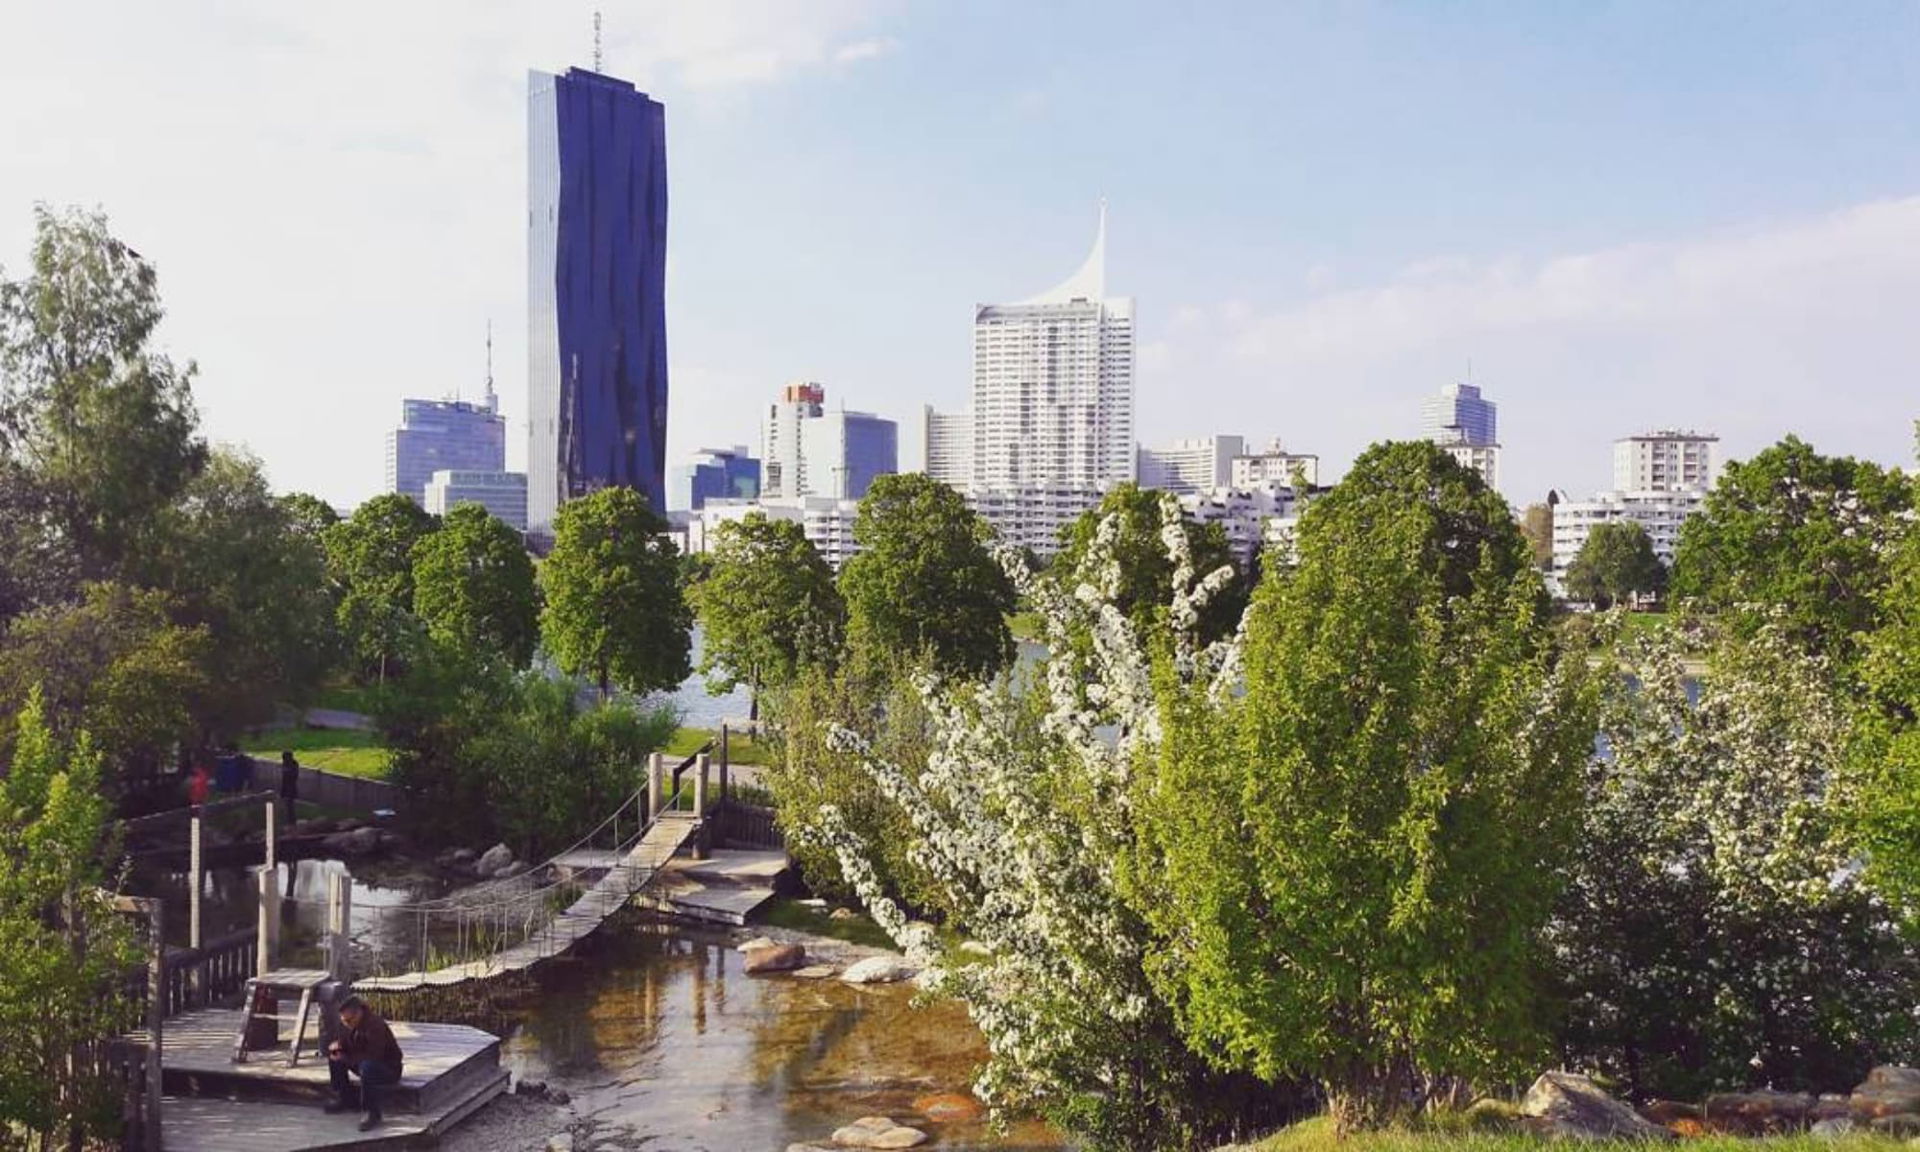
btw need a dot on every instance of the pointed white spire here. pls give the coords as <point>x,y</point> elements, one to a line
<point>1090,282</point>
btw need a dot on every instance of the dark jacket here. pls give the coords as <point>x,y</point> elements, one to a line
<point>373,1040</point>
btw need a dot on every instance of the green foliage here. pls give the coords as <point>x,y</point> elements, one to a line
<point>1794,531</point>
<point>344,752</point>
<point>1145,570</point>
<point>1615,564</point>
<point>114,665</point>
<point>370,560</point>
<point>615,611</point>
<point>104,426</point>
<point>1887,739</point>
<point>1536,524</point>
<point>1716,934</point>
<point>924,582</point>
<point>1356,858</point>
<point>767,607</point>
<point>494,755</point>
<point>62,948</point>
<point>473,586</point>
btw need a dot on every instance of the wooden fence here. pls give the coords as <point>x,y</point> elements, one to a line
<point>743,825</point>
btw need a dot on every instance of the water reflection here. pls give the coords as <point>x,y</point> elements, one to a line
<point>662,1039</point>
<point>230,902</point>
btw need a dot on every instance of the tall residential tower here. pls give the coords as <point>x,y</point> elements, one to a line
<point>596,281</point>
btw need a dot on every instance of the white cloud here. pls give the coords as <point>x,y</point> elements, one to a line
<point>871,48</point>
<point>1802,325</point>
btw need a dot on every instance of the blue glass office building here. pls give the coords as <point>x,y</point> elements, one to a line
<point>715,474</point>
<point>596,305</point>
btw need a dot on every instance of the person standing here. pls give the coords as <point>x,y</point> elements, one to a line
<point>367,1050</point>
<point>289,784</point>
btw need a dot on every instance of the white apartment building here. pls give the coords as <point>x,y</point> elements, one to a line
<point>1254,518</point>
<point>1053,385</point>
<point>947,447</point>
<point>1032,518</point>
<point>1665,461</point>
<point>503,494</point>
<point>1192,464</point>
<point>827,522</point>
<point>1273,465</point>
<point>1481,458</point>
<point>782,446</point>
<point>1660,513</point>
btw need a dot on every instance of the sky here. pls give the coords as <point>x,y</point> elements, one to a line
<point>1616,216</point>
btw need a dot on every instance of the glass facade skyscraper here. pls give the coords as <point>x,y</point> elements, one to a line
<point>443,434</point>
<point>596,305</point>
<point>715,474</point>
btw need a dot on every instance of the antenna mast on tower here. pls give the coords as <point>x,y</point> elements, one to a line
<point>493,401</point>
<point>596,40</point>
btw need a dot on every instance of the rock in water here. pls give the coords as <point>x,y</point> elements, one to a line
<point>1888,1090</point>
<point>1570,1105</point>
<point>948,1107</point>
<point>494,859</point>
<point>776,958</point>
<point>817,972</point>
<point>878,1132</point>
<point>757,942</point>
<point>877,970</point>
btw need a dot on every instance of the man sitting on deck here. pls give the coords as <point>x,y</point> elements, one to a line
<point>369,1051</point>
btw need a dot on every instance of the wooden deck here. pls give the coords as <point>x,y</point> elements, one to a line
<point>668,835</point>
<point>727,888</point>
<point>265,1105</point>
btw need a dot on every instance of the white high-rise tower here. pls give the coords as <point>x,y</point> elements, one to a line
<point>1053,385</point>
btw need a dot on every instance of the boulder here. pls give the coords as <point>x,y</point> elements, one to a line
<point>843,914</point>
<point>1570,1105</point>
<point>513,868</point>
<point>493,860</point>
<point>462,856</point>
<point>877,970</point>
<point>757,942</point>
<point>949,1108</point>
<point>817,972</point>
<point>1758,1113</point>
<point>559,1096</point>
<point>1888,1090</point>
<point>1831,1106</point>
<point>535,1088</point>
<point>878,1132</point>
<point>1900,1125</point>
<point>1677,1118</point>
<point>1832,1128</point>
<point>560,1143</point>
<point>777,958</point>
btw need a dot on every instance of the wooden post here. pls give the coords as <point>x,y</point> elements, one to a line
<point>196,877</point>
<point>156,1019</point>
<point>339,917</point>
<point>655,765</point>
<point>272,829</point>
<point>700,764</point>
<point>268,943</point>
<point>725,794</point>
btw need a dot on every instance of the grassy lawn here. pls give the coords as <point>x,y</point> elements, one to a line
<point>741,748</point>
<point>1025,625</point>
<point>343,753</point>
<point>346,698</point>
<point>1317,1135</point>
<point>789,913</point>
<point>1647,622</point>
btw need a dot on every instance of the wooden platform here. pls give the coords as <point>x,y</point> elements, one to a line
<point>265,1105</point>
<point>727,888</point>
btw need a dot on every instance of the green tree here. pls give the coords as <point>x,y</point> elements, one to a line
<point>1357,857</point>
<point>63,951</point>
<point>924,581</point>
<point>1887,735</point>
<point>1536,524</point>
<point>309,514</point>
<point>473,586</point>
<point>767,607</point>
<point>370,559</point>
<point>104,425</point>
<point>1615,564</point>
<point>615,611</point>
<point>114,665</point>
<point>1145,571</point>
<point>1795,531</point>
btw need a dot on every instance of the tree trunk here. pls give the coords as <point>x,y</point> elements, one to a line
<point>1364,1097</point>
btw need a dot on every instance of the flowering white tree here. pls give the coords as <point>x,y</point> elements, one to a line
<point>1022,815</point>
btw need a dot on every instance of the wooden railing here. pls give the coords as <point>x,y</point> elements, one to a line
<point>743,825</point>
<point>196,977</point>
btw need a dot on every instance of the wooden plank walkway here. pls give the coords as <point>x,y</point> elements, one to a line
<point>668,835</point>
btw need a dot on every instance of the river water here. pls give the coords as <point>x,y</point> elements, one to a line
<point>664,1043</point>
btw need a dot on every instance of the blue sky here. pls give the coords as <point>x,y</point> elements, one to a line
<point>1624,215</point>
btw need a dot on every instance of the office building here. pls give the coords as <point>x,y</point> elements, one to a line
<point>436,435</point>
<point>1190,465</point>
<point>947,447</point>
<point>1032,518</point>
<point>1274,465</point>
<point>1660,513</point>
<point>714,474</point>
<point>1481,458</point>
<point>504,494</point>
<point>1053,385</point>
<point>1665,461</point>
<point>596,306</point>
<point>809,449</point>
<point>1460,415</point>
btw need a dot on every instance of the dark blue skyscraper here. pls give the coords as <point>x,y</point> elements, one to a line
<point>596,305</point>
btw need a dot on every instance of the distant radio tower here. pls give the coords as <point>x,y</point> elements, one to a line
<point>596,40</point>
<point>493,401</point>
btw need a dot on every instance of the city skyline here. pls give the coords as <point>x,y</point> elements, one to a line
<point>835,221</point>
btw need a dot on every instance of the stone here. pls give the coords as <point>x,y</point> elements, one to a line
<point>975,948</point>
<point>1677,1118</point>
<point>1762,1113</point>
<point>843,914</point>
<point>493,860</point>
<point>778,958</point>
<point>534,1088</point>
<point>513,868</point>
<point>878,1132</point>
<point>817,972</point>
<point>463,856</point>
<point>1570,1105</point>
<point>877,970</point>
<point>1888,1090</point>
<point>1831,1106</point>
<point>949,1108</point>
<point>561,1143</point>
<point>1832,1128</point>
<point>560,1096</point>
<point>757,942</point>
<point>1903,1125</point>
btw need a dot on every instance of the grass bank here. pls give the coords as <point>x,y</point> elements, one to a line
<point>344,753</point>
<point>791,914</point>
<point>1317,1135</point>
<point>741,748</point>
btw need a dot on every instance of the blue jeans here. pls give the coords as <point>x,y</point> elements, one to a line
<point>373,1077</point>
